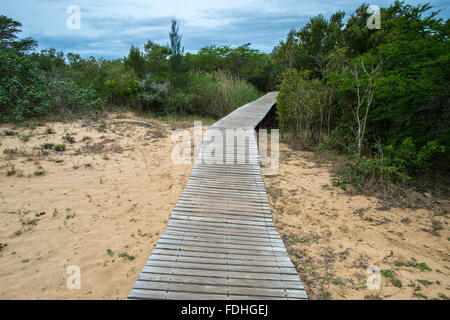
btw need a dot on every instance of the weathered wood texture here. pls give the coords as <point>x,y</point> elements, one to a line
<point>220,241</point>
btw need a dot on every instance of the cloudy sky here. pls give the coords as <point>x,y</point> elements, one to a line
<point>109,27</point>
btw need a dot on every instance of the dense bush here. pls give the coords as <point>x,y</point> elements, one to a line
<point>244,62</point>
<point>217,94</point>
<point>68,98</point>
<point>381,97</point>
<point>22,88</point>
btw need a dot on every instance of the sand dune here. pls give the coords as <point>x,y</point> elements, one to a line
<point>101,205</point>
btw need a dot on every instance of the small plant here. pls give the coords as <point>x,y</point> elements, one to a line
<point>398,263</point>
<point>425,282</point>
<point>9,133</point>
<point>24,137</point>
<point>443,296</point>
<point>388,273</point>
<point>49,131</point>
<point>11,170</point>
<point>37,124</point>
<point>102,127</point>
<point>48,145</point>
<point>159,132</point>
<point>29,222</point>
<point>2,245</point>
<point>68,138</point>
<point>396,283</point>
<point>39,172</point>
<point>70,216</point>
<point>125,255</point>
<point>10,151</point>
<point>110,252</point>
<point>59,147</point>
<point>420,295</point>
<point>275,192</point>
<point>423,267</point>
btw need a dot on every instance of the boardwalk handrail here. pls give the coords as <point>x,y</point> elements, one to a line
<point>220,241</point>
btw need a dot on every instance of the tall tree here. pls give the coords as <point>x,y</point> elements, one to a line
<point>135,61</point>
<point>176,49</point>
<point>8,38</point>
<point>156,57</point>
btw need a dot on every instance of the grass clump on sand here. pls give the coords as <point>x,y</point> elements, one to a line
<point>59,147</point>
<point>48,145</point>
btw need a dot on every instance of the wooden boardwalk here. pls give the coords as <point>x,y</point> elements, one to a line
<point>220,241</point>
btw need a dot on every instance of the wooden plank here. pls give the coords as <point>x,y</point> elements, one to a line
<point>220,237</point>
<point>215,274</point>
<point>219,248</point>
<point>220,261</point>
<point>229,231</point>
<point>220,241</point>
<point>220,290</point>
<point>252,283</point>
<point>189,229</point>
<point>218,255</point>
<point>224,240</point>
<point>265,269</point>
<point>240,228</point>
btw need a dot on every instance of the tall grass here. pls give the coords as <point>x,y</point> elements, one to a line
<point>219,93</point>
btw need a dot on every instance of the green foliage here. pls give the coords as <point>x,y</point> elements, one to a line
<point>176,50</point>
<point>68,97</point>
<point>48,145</point>
<point>301,108</point>
<point>340,139</point>
<point>218,93</point>
<point>156,56</point>
<point>424,267</point>
<point>243,61</point>
<point>22,87</point>
<point>324,63</point>
<point>408,158</point>
<point>59,147</point>
<point>388,273</point>
<point>135,61</point>
<point>33,85</point>
<point>8,38</point>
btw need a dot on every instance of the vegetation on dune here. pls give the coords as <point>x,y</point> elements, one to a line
<point>161,79</point>
<point>377,97</point>
<point>380,97</point>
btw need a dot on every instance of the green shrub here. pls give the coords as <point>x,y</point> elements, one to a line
<point>217,94</point>
<point>59,147</point>
<point>409,159</point>
<point>48,145</point>
<point>68,97</point>
<point>339,139</point>
<point>22,88</point>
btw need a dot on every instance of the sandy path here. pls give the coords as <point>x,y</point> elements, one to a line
<point>113,189</point>
<point>333,237</point>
